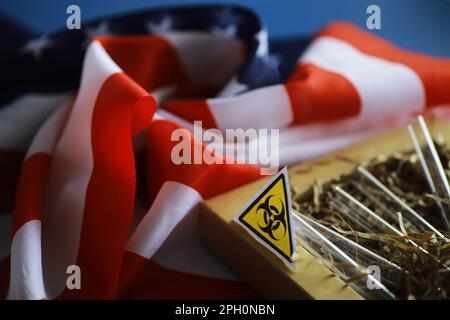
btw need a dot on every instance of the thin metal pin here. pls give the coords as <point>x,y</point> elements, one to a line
<point>338,205</point>
<point>399,201</point>
<point>367,210</point>
<point>421,157</point>
<point>347,240</point>
<point>442,181</point>
<point>346,257</point>
<point>435,156</point>
<point>375,216</point>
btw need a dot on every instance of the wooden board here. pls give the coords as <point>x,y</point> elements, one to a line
<point>259,267</point>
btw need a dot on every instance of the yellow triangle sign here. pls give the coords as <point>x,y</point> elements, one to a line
<point>268,217</point>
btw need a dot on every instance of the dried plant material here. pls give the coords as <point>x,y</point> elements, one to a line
<point>423,256</point>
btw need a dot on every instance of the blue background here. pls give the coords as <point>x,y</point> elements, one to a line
<point>421,25</point>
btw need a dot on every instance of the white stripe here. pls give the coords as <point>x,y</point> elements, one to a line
<point>223,59</point>
<point>267,107</point>
<point>234,87</point>
<point>294,153</point>
<point>70,173</point>
<point>21,118</point>
<point>166,115</point>
<point>320,130</point>
<point>45,140</point>
<point>304,142</point>
<point>384,87</point>
<point>174,201</point>
<point>184,251</point>
<point>26,266</point>
<point>162,93</point>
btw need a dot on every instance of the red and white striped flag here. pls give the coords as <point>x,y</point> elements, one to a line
<point>77,201</point>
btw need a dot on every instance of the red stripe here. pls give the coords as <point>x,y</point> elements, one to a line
<point>151,61</point>
<point>320,95</point>
<point>158,282</point>
<point>10,164</point>
<point>132,266</point>
<point>208,180</point>
<point>190,90</point>
<point>192,110</point>
<point>111,190</point>
<point>31,189</point>
<point>434,72</point>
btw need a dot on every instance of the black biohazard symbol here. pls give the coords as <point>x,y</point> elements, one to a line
<point>267,217</point>
<point>271,218</point>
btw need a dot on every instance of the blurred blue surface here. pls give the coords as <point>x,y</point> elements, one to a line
<point>421,25</point>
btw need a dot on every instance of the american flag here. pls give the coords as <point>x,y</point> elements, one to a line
<point>86,118</point>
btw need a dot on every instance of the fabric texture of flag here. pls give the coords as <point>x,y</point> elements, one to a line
<point>86,119</point>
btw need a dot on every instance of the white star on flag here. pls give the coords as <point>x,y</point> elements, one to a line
<point>164,26</point>
<point>229,31</point>
<point>263,43</point>
<point>99,30</point>
<point>35,47</point>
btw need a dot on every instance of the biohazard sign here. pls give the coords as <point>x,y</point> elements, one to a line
<point>268,217</point>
